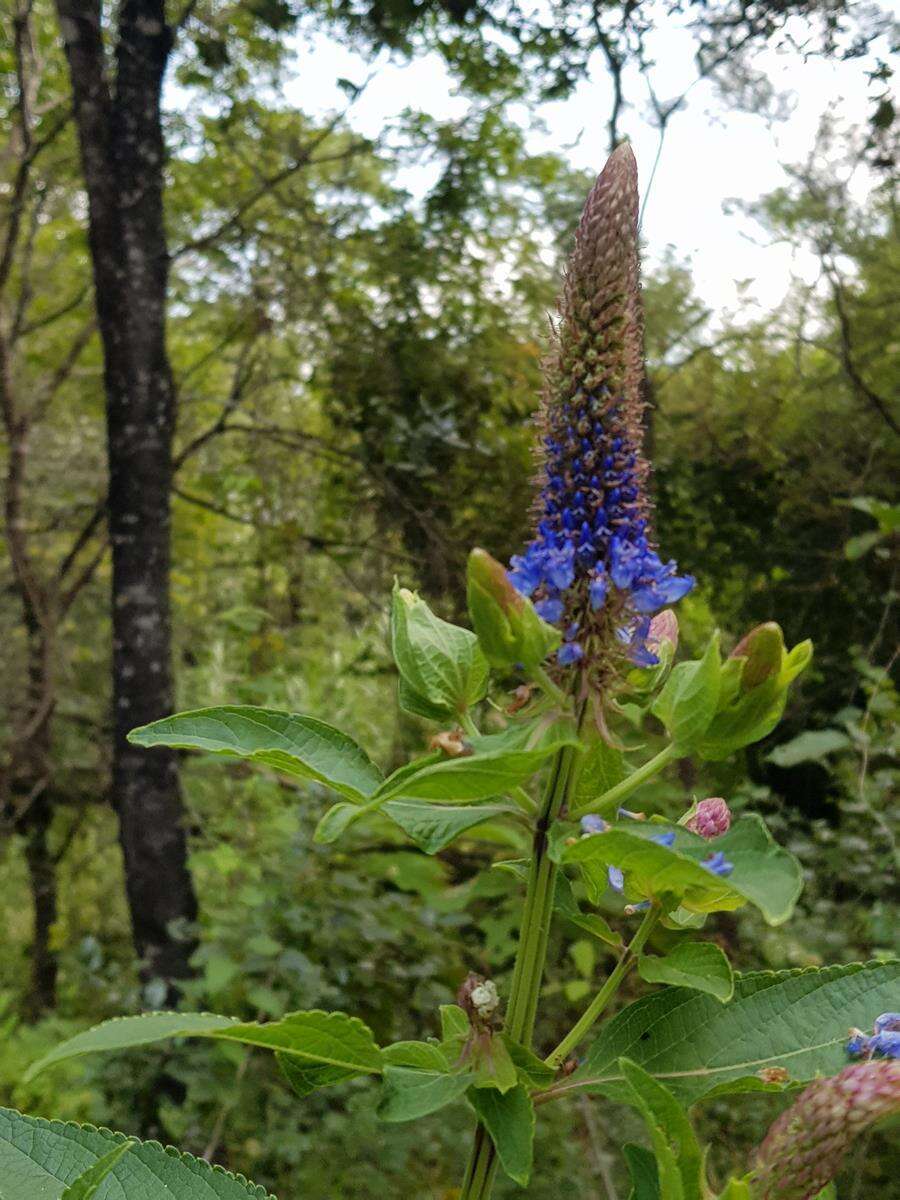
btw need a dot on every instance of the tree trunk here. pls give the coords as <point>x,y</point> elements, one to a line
<point>120,136</point>
<point>42,877</point>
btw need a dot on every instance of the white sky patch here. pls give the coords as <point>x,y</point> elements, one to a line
<point>711,153</point>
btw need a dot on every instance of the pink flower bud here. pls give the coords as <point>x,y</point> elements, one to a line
<point>663,628</point>
<point>805,1147</point>
<point>712,818</point>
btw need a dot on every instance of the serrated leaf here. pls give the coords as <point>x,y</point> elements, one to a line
<point>288,742</point>
<point>434,826</point>
<point>697,1047</point>
<point>409,1094</point>
<point>763,873</point>
<point>688,702</point>
<point>40,1159</point>
<point>509,1119</point>
<point>318,1037</point>
<point>699,965</point>
<point>86,1185</point>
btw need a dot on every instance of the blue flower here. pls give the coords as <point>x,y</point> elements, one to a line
<point>718,864</point>
<point>569,653</point>
<point>665,839</point>
<point>885,1044</point>
<point>592,823</point>
<point>858,1043</point>
<point>550,610</point>
<point>616,879</point>
<point>887,1021</point>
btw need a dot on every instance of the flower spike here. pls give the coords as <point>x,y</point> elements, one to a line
<point>592,568</point>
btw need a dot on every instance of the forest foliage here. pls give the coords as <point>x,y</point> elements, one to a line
<point>354,370</point>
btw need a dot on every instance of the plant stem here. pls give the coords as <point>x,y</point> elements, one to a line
<point>540,676</point>
<point>530,957</point>
<point>468,725</point>
<point>603,804</point>
<point>606,993</point>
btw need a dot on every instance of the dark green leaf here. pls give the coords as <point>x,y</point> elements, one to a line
<point>434,826</point>
<point>409,1094</point>
<point>288,742</point>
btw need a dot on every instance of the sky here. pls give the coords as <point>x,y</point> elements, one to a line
<point>711,154</point>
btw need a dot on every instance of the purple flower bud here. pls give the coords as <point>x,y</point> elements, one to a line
<point>887,1021</point>
<point>806,1145</point>
<point>885,1044</point>
<point>616,879</point>
<point>711,819</point>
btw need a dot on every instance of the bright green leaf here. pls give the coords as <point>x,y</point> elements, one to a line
<point>688,702</point>
<point>318,1037</point>
<point>509,1119</point>
<point>763,873</point>
<point>675,1145</point>
<point>424,1056</point>
<point>288,742</point>
<point>441,663</point>
<point>699,965</point>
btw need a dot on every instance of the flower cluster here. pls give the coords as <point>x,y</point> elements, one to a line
<point>806,1145</point>
<point>592,569</point>
<point>883,1042</point>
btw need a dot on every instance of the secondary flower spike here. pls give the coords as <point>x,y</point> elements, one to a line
<point>592,568</point>
<point>806,1145</point>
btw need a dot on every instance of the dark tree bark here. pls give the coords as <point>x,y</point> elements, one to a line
<point>122,150</point>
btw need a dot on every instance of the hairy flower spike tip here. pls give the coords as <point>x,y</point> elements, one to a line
<point>592,566</point>
<point>806,1145</point>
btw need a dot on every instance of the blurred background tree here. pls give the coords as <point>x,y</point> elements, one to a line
<point>355,323</point>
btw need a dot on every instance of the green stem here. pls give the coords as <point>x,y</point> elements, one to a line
<point>530,957</point>
<point>468,725</point>
<point>606,993</point>
<point>540,676</point>
<point>609,800</point>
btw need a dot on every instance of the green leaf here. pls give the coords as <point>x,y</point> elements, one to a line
<point>675,1145</point>
<point>812,746</point>
<point>336,821</point>
<point>739,1189</point>
<point>318,1037</point>
<point>493,1063</point>
<point>288,742</point>
<point>40,1159</point>
<point>509,1119</point>
<point>410,701</point>
<point>454,1022</point>
<point>508,628</point>
<point>567,906</point>
<point>471,777</point>
<point>309,1077</point>
<point>434,826</point>
<point>765,874</point>
<point>533,1071</point>
<point>409,1094</point>
<point>699,965</point>
<point>688,702</point>
<point>441,664</point>
<point>855,547</point>
<point>602,768</point>
<point>424,1056</point>
<point>644,1173</point>
<point>87,1183</point>
<point>697,1047</point>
